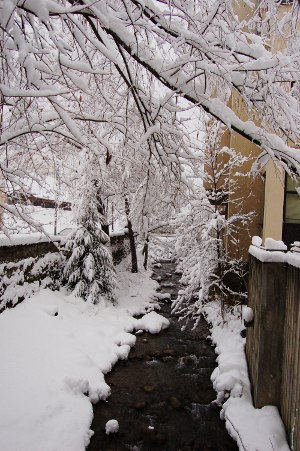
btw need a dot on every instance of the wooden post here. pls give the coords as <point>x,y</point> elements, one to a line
<point>264,347</point>
<point>290,388</point>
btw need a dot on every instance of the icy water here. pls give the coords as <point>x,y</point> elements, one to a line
<point>162,396</point>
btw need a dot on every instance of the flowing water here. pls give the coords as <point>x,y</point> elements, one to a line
<point>162,396</point>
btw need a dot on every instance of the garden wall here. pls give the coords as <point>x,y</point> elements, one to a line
<point>25,246</point>
<point>31,262</point>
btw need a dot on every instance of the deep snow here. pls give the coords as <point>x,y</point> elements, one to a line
<point>253,429</point>
<point>55,351</point>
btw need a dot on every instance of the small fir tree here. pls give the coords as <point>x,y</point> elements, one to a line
<point>89,270</point>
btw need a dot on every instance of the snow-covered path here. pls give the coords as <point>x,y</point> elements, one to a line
<point>55,352</point>
<point>162,395</point>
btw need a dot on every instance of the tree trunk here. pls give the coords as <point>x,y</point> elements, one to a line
<point>145,252</point>
<point>102,210</point>
<point>134,265</point>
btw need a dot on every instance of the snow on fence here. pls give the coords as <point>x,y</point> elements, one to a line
<point>273,339</point>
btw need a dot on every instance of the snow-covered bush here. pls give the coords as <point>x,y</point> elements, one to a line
<point>20,280</point>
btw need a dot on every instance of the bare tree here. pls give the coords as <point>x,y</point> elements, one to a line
<point>208,271</point>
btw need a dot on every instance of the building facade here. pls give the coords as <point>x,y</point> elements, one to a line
<point>271,195</point>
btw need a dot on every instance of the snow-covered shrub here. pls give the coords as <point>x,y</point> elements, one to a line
<point>89,271</point>
<point>20,280</point>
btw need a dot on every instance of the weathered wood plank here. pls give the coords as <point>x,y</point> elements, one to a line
<point>273,341</point>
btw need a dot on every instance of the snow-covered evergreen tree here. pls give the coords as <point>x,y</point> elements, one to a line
<point>89,270</point>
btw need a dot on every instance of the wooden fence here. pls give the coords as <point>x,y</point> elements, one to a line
<point>273,339</point>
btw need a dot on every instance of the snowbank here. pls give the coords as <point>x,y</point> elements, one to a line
<point>253,429</point>
<point>55,351</point>
<point>121,232</point>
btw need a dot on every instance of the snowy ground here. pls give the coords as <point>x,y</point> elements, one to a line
<point>55,351</point>
<point>253,429</point>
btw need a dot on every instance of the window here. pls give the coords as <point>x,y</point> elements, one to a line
<point>292,201</point>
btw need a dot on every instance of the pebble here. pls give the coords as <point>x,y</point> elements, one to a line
<point>167,358</point>
<point>187,360</point>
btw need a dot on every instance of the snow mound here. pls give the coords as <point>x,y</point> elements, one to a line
<point>152,322</point>
<point>111,427</point>
<point>163,296</point>
<point>253,429</point>
<point>256,241</point>
<point>275,245</point>
<point>247,313</point>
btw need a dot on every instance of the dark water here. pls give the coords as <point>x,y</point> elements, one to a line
<point>162,396</point>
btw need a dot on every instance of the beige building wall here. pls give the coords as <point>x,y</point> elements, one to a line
<point>275,176</point>
<point>248,190</point>
<point>263,196</point>
<point>274,202</point>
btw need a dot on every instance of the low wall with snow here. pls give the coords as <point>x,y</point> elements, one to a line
<point>29,262</point>
<point>21,247</point>
<point>273,339</point>
<point>22,279</point>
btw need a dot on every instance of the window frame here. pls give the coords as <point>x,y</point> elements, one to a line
<point>285,200</point>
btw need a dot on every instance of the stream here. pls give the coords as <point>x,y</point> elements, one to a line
<point>162,396</point>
